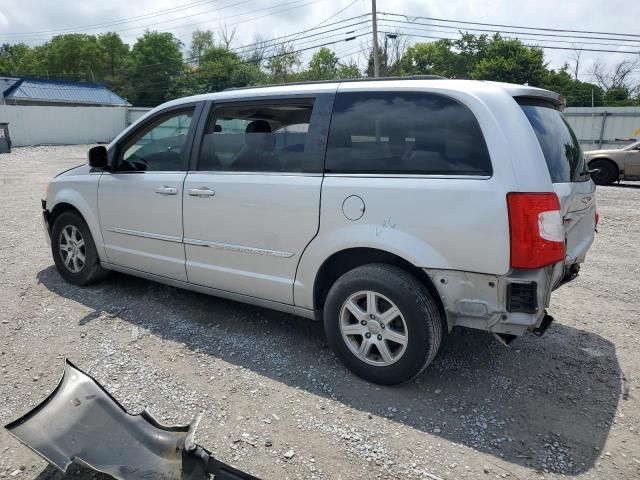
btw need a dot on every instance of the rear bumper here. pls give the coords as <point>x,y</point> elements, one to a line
<point>509,304</point>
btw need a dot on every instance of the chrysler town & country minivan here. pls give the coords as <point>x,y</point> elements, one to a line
<point>393,210</point>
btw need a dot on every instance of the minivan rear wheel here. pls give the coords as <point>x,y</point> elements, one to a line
<point>382,323</point>
<point>74,251</point>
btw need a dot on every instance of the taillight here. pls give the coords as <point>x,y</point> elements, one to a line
<point>597,218</point>
<point>537,229</point>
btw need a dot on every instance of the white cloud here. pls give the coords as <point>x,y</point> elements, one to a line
<point>274,18</point>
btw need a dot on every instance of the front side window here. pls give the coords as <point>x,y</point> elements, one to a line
<point>256,138</point>
<point>404,133</point>
<point>158,147</point>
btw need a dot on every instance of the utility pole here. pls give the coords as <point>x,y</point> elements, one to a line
<point>376,60</point>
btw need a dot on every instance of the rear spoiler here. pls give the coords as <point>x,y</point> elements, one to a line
<point>557,102</point>
<point>81,423</point>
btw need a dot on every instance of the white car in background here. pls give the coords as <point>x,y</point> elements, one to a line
<point>612,165</point>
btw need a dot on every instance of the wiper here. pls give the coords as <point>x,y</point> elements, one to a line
<point>80,422</point>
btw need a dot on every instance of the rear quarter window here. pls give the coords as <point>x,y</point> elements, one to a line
<point>561,149</point>
<point>404,133</point>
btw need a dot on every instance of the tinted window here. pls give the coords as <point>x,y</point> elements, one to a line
<point>404,133</point>
<point>559,144</point>
<point>256,138</point>
<point>159,146</point>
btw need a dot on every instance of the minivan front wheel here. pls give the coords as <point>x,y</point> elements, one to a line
<point>382,323</point>
<point>74,251</point>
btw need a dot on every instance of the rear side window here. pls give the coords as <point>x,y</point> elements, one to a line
<point>404,133</point>
<point>559,144</point>
<point>261,137</point>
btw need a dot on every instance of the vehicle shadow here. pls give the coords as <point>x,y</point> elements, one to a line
<point>546,403</point>
<point>626,185</point>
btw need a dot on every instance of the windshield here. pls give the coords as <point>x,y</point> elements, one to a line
<point>633,146</point>
<point>559,144</point>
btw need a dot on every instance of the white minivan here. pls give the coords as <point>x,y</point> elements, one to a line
<point>392,209</point>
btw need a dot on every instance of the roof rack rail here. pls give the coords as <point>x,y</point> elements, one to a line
<point>348,80</point>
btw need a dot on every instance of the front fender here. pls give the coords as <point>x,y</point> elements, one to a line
<point>81,192</point>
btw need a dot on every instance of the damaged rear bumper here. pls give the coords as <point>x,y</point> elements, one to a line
<point>509,304</point>
<point>81,423</point>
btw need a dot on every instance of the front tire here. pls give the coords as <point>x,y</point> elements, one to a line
<point>74,251</point>
<point>607,172</point>
<point>382,323</point>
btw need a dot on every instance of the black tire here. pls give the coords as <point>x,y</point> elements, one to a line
<point>420,312</point>
<point>607,172</point>
<point>91,271</point>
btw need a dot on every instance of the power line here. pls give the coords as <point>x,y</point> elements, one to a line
<point>335,14</point>
<point>408,17</point>
<point>285,40</point>
<point>510,32</point>
<point>77,28</point>
<point>309,30</point>
<point>551,47</point>
<point>291,5</point>
<point>582,42</point>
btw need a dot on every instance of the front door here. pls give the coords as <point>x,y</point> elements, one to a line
<point>252,204</point>
<point>140,201</point>
<point>632,162</point>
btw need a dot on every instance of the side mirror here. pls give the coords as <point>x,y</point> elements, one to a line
<point>98,157</point>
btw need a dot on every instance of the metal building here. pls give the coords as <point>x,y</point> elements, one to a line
<point>37,91</point>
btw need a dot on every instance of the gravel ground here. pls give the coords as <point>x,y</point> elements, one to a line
<point>561,406</point>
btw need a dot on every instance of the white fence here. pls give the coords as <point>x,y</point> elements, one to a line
<point>48,125</point>
<point>604,127</point>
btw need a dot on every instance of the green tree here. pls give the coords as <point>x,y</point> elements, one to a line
<point>17,59</point>
<point>577,93</point>
<point>348,70</point>
<point>506,60</point>
<point>619,96</point>
<point>283,66</point>
<point>156,62</point>
<point>436,58</point>
<point>201,41</point>
<point>323,65</point>
<point>116,52</point>
<point>75,55</point>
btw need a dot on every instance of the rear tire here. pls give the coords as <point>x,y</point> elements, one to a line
<point>607,174</point>
<point>74,251</point>
<point>357,306</point>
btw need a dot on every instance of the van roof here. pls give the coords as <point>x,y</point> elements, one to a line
<point>383,83</point>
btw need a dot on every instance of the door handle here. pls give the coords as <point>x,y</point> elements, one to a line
<point>166,190</point>
<point>201,192</point>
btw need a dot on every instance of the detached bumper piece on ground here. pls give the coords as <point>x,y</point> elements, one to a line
<point>81,423</point>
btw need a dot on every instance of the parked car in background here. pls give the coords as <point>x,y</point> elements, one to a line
<point>609,166</point>
<point>392,210</point>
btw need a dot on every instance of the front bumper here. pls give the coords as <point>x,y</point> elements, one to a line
<point>81,423</point>
<point>45,222</point>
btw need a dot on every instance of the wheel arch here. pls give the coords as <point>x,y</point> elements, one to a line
<point>345,260</point>
<point>608,160</point>
<point>68,199</point>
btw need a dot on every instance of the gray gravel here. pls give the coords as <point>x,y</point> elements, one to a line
<point>278,404</point>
